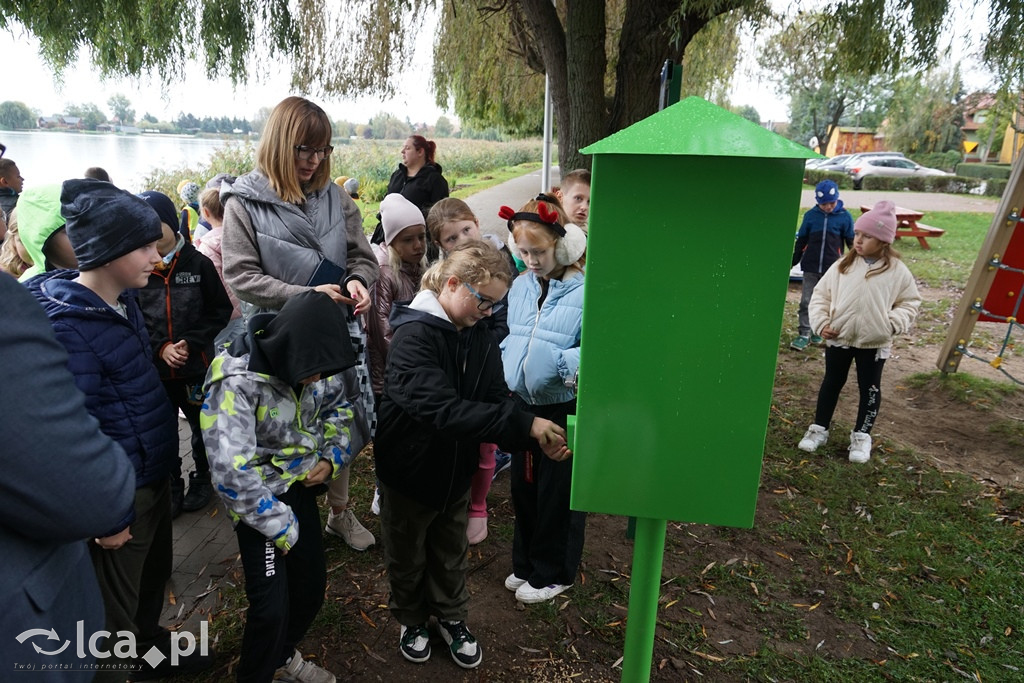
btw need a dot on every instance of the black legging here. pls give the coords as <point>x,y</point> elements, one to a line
<point>869,380</point>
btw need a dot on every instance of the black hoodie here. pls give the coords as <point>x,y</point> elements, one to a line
<point>444,395</point>
<point>308,336</point>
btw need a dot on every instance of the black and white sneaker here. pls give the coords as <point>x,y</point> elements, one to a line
<point>414,642</point>
<point>465,650</point>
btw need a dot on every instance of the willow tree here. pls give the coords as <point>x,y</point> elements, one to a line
<point>361,46</point>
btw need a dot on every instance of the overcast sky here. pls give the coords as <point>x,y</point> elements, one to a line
<point>27,79</point>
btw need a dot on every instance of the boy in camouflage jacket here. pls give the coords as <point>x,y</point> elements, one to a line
<point>276,423</point>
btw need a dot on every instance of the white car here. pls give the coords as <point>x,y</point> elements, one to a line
<point>889,166</point>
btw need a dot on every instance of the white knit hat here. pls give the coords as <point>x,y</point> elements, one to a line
<point>396,214</point>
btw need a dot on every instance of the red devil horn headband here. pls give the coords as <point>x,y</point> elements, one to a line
<point>545,216</point>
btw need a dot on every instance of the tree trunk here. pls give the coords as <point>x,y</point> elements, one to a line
<point>644,44</point>
<point>545,25</point>
<point>584,42</point>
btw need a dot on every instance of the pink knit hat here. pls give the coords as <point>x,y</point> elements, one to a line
<point>396,214</point>
<point>879,222</point>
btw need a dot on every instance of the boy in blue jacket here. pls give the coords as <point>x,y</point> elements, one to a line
<point>826,231</point>
<point>113,234</point>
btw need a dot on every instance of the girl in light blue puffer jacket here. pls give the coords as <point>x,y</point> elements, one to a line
<point>541,355</point>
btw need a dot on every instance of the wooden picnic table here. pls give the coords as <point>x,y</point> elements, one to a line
<point>907,225</point>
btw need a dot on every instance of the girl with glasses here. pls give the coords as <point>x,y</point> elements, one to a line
<point>450,223</point>
<point>541,356</point>
<point>443,395</point>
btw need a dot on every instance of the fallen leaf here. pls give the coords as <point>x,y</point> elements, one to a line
<point>367,619</point>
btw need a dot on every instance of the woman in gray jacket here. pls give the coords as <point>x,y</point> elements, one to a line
<point>288,229</point>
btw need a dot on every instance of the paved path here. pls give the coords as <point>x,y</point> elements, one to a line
<point>514,193</point>
<point>922,201</point>
<point>205,549</point>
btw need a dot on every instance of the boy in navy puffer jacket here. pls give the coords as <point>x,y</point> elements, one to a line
<point>826,231</point>
<point>113,235</point>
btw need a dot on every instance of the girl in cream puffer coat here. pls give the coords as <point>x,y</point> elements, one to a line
<point>858,307</point>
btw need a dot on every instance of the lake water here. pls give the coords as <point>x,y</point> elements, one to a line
<point>54,156</point>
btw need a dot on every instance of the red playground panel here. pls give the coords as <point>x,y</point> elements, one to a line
<point>1004,297</point>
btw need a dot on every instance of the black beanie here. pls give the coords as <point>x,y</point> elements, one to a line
<point>308,336</point>
<point>163,206</point>
<point>104,222</point>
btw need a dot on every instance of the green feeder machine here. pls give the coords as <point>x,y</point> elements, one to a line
<point>689,247</point>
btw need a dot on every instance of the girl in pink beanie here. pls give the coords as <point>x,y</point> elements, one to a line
<point>861,303</point>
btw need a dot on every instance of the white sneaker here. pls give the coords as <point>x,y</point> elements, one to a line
<point>298,670</point>
<point>375,505</point>
<point>513,582</point>
<point>347,527</point>
<point>528,595</point>
<point>860,447</point>
<point>815,436</point>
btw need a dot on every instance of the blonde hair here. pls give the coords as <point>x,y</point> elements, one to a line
<point>10,261</point>
<point>445,211</point>
<point>294,121</point>
<point>210,200</point>
<point>474,262</point>
<point>887,255</point>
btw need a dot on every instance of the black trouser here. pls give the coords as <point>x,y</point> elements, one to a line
<point>285,591</point>
<point>187,395</point>
<point>869,380</point>
<point>548,542</point>
<point>133,578</point>
<point>425,552</point>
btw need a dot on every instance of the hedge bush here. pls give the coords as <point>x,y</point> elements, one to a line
<point>944,161</point>
<point>950,184</point>
<point>983,171</point>
<point>843,180</point>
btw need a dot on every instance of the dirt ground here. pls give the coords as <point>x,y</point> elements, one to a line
<point>563,642</point>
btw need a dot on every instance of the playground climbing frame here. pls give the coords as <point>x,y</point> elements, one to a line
<point>995,290</point>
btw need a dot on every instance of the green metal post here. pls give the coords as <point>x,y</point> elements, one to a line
<point>644,590</point>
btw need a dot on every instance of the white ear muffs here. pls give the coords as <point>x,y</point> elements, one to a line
<point>569,249</point>
<point>512,244</point>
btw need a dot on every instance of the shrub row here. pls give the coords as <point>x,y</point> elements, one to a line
<point>372,161</point>
<point>843,180</point>
<point>944,161</point>
<point>983,171</point>
<point>950,184</point>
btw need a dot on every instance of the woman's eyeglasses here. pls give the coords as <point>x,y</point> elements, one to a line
<point>484,304</point>
<point>305,153</point>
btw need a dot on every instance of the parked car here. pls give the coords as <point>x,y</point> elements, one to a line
<point>860,157</point>
<point>833,164</point>
<point>890,166</point>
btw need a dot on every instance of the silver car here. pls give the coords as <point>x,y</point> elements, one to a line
<point>889,166</point>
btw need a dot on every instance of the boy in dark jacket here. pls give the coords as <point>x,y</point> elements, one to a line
<point>826,230</point>
<point>444,394</point>
<point>113,235</point>
<point>185,307</point>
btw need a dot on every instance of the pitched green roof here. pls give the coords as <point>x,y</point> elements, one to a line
<point>695,127</point>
